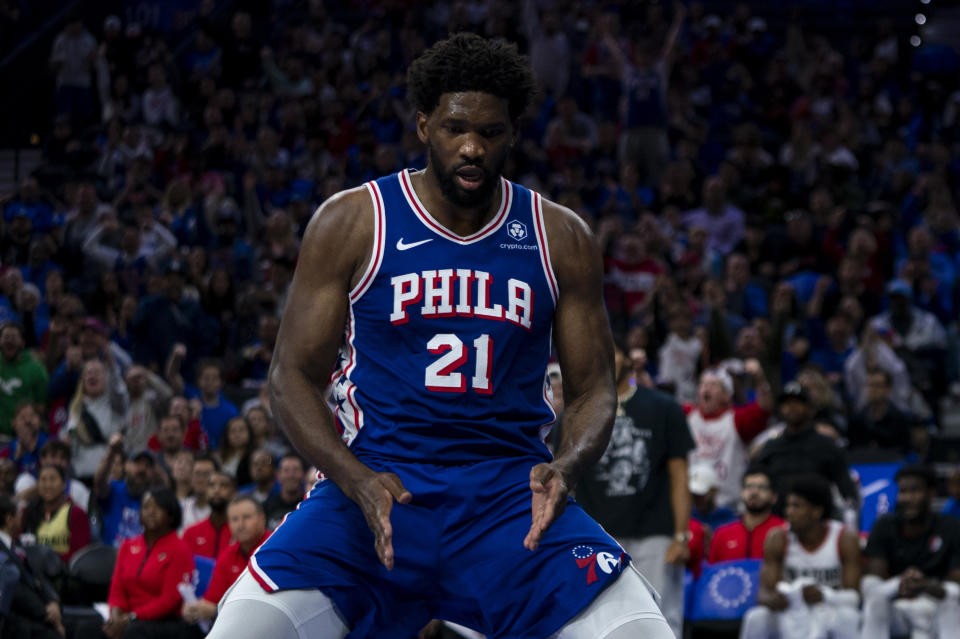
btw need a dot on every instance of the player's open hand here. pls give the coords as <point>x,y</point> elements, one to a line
<point>550,494</point>
<point>375,496</point>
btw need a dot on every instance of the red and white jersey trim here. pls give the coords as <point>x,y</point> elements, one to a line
<point>376,253</point>
<point>506,197</point>
<point>537,204</point>
<point>260,576</point>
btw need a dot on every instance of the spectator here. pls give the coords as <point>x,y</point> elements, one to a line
<point>801,450</point>
<point>880,424</point>
<point>52,519</point>
<point>72,57</point>
<point>263,470</point>
<point>265,432</point>
<point>638,489</point>
<point>171,435</point>
<point>97,412</point>
<point>217,409</point>
<point>290,476</point>
<point>704,487</point>
<point>248,528</point>
<point>159,102</point>
<point>680,355</point>
<point>149,395</point>
<point>745,296</point>
<point>722,432</point>
<point>811,572</point>
<point>144,597</point>
<point>744,539</point>
<point>24,450</point>
<point>182,476</point>
<point>8,477</point>
<point>58,453</point>
<point>22,377</point>
<point>723,221</point>
<point>236,448</point>
<point>196,506</point>
<point>210,536</point>
<point>119,499</point>
<point>874,353</point>
<point>34,609</point>
<point>912,573</point>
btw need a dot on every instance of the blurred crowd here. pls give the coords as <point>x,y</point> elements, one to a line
<point>771,204</point>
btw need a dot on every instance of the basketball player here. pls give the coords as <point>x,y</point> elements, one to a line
<point>810,573</point>
<point>435,294</point>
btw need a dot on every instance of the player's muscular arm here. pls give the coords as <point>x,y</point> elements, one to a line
<point>581,331</point>
<point>336,248</point>
<point>771,572</point>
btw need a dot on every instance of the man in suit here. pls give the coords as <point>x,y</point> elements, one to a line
<point>34,610</point>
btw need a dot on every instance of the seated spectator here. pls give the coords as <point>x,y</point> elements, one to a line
<point>34,611</point>
<point>912,580</point>
<point>189,412</point>
<point>290,477</point>
<point>52,519</point>
<point>96,413</point>
<point>217,409</point>
<point>263,470</point>
<point>144,597</point>
<point>744,539</point>
<point>235,449</point>
<point>54,452</point>
<point>801,450</point>
<point>22,377</point>
<point>119,499</point>
<point>880,424</point>
<point>722,431</point>
<point>210,536</point>
<point>704,488</point>
<point>249,529</point>
<point>24,450</point>
<point>196,507</point>
<point>810,572</point>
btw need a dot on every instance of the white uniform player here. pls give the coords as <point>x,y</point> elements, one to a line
<point>809,575</point>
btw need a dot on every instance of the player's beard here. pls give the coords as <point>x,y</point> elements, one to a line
<point>461,197</point>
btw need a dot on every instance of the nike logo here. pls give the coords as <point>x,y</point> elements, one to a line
<point>403,247</point>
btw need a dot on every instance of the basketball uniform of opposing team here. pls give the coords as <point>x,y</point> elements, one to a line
<point>823,564</point>
<point>441,380</point>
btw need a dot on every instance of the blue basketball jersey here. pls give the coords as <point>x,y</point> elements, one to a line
<point>448,337</point>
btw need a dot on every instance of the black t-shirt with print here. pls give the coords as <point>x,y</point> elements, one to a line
<point>935,552</point>
<point>628,490</point>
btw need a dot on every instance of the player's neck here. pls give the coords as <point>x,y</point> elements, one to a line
<point>460,220</point>
<point>811,539</point>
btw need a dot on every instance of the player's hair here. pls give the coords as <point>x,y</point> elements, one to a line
<point>919,471</point>
<point>816,491</point>
<point>167,501</point>
<point>467,62</point>
<point>247,498</point>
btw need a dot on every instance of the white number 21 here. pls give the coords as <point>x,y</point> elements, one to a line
<point>442,375</point>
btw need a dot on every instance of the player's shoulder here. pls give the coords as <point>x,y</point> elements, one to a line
<point>563,222</point>
<point>344,210</point>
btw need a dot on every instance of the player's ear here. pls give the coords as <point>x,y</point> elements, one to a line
<point>422,126</point>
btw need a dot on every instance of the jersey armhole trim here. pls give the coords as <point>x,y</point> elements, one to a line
<point>537,206</point>
<point>376,252</point>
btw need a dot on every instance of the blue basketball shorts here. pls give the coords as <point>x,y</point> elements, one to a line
<point>458,555</point>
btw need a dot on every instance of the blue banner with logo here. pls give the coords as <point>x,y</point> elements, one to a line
<point>726,590</point>
<point>878,490</point>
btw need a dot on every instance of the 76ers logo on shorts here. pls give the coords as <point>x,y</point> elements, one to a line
<point>587,557</point>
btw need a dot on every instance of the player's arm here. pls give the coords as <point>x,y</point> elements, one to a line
<point>849,594</point>
<point>581,331</point>
<point>336,248</point>
<point>771,572</point>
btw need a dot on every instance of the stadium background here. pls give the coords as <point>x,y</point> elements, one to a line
<point>832,126</point>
